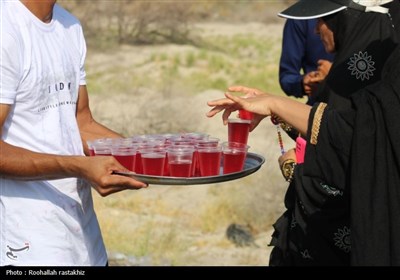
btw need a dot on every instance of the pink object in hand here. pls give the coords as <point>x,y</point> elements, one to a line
<point>300,149</point>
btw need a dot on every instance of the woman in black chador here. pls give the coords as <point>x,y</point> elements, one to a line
<point>315,229</point>
<point>342,205</point>
<point>356,156</point>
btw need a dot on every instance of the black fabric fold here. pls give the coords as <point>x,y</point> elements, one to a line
<point>375,171</point>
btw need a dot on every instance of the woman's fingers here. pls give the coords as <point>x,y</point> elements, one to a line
<point>220,105</point>
<point>246,90</point>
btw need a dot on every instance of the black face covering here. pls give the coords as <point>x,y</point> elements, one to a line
<point>363,42</point>
<point>332,22</point>
<point>339,23</point>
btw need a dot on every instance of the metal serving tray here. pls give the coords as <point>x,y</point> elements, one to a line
<point>252,164</point>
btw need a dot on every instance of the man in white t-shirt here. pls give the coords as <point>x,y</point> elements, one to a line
<point>46,208</point>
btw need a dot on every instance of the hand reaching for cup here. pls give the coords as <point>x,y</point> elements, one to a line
<point>262,105</point>
<point>251,102</point>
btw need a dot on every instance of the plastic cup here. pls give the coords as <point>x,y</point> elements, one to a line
<point>90,147</point>
<point>238,130</point>
<point>209,160</point>
<point>234,156</point>
<point>205,142</point>
<point>102,147</point>
<point>153,161</point>
<point>142,145</point>
<point>210,141</point>
<point>180,160</point>
<point>126,155</point>
<point>245,115</point>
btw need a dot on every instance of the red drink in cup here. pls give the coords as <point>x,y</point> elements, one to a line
<point>90,147</point>
<point>245,115</point>
<point>180,159</point>
<point>202,143</point>
<point>128,161</point>
<point>234,156</point>
<point>234,162</point>
<point>238,130</point>
<point>180,168</point>
<point>138,163</point>
<point>195,169</point>
<point>124,151</point>
<point>153,162</point>
<point>209,160</point>
<point>125,155</point>
<point>91,152</point>
<point>144,146</point>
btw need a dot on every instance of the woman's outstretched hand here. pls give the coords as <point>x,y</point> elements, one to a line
<point>254,101</point>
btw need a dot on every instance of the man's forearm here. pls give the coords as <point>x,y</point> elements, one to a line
<point>19,163</point>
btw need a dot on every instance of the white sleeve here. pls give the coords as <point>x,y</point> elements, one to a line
<point>10,68</point>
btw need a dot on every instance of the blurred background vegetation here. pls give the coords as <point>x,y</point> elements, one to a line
<point>163,21</point>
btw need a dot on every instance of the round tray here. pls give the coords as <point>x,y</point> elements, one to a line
<point>252,164</point>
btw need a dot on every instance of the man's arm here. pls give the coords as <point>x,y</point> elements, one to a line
<point>19,163</point>
<point>293,51</point>
<point>22,164</point>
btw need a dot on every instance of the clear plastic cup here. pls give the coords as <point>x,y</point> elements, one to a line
<point>153,161</point>
<point>180,159</point>
<point>234,156</point>
<point>205,142</point>
<point>102,146</point>
<point>209,159</point>
<point>142,145</point>
<point>238,130</point>
<point>90,147</point>
<point>125,154</point>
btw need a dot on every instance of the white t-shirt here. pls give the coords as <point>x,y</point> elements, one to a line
<point>41,68</point>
